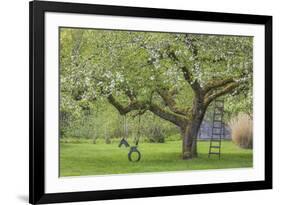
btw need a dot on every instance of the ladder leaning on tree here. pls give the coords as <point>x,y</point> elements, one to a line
<point>217,128</point>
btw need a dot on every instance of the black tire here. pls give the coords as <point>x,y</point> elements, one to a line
<point>132,150</point>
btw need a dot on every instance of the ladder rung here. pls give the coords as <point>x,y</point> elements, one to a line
<point>217,122</point>
<point>216,137</point>
<point>218,113</point>
<point>217,128</point>
<point>214,153</point>
<point>219,105</point>
<point>215,140</point>
<point>215,146</point>
<point>217,118</point>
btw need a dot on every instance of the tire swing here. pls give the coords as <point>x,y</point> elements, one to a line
<point>134,149</point>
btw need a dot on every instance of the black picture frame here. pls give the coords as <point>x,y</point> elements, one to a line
<point>37,10</point>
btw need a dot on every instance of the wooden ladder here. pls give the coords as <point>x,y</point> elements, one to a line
<point>217,129</point>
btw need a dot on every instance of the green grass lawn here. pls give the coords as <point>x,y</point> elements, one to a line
<point>80,159</point>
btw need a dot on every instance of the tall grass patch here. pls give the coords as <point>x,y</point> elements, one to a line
<point>242,131</point>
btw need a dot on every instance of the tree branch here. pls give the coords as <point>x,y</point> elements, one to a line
<point>154,108</point>
<point>169,116</point>
<point>186,73</point>
<point>227,89</point>
<point>125,109</point>
<point>215,84</point>
<point>168,98</point>
<point>188,77</point>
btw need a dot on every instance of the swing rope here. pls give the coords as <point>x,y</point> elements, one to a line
<point>125,134</point>
<point>138,132</point>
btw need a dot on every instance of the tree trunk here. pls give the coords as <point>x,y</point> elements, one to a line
<point>190,132</point>
<point>189,139</point>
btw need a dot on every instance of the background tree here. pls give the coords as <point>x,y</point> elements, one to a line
<point>174,76</point>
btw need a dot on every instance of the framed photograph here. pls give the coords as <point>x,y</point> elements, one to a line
<point>130,102</point>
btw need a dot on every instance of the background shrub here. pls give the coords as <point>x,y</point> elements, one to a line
<point>156,134</point>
